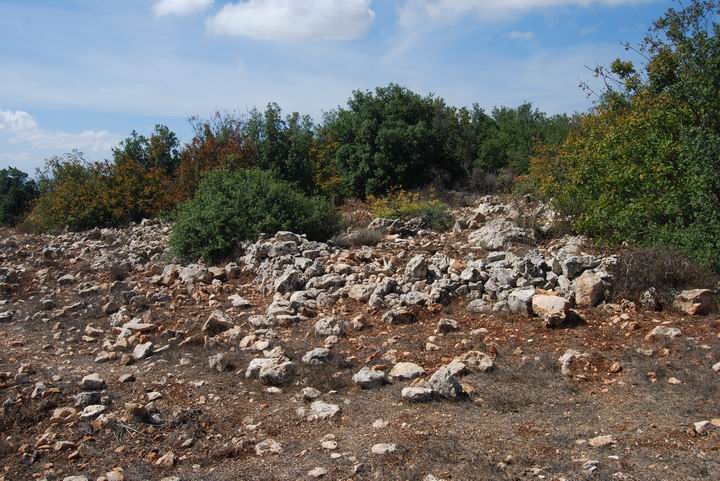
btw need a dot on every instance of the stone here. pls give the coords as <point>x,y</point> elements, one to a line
<point>75,478</point>
<point>318,355</point>
<point>194,273</point>
<point>499,234</point>
<point>277,374</point>
<point>702,427</point>
<point>310,393</point>
<point>167,460</point>
<point>383,448</point>
<point>417,268</point>
<point>716,367</point>
<point>92,382</point>
<point>663,331</point>
<point>239,301</point>
<point>141,351</point>
<point>476,361</point>
<point>269,446</point>
<point>406,371</point>
<point>218,362</point>
<point>552,309</point>
<point>479,306</point>
<point>330,326</point>
<point>92,411</point>
<point>217,322</point>
<point>368,378</point>
<point>290,281</point>
<point>417,394</point>
<point>399,316</point>
<point>589,289</point>
<point>602,441</point>
<point>696,302</point>
<point>446,326</point>
<point>446,385</point>
<point>64,416</point>
<point>649,300</point>
<point>320,410</point>
<point>520,300</point>
<point>317,472</point>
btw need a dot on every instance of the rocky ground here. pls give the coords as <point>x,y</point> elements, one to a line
<point>491,352</point>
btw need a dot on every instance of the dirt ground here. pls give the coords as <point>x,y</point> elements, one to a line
<point>524,420</point>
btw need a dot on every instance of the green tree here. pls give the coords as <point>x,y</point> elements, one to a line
<point>644,165</point>
<point>17,193</point>
<point>160,150</point>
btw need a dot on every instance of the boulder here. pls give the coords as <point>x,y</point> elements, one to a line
<point>552,309</point>
<point>500,233</point>
<point>696,302</point>
<point>589,289</point>
<point>417,268</point>
<point>330,326</point>
<point>520,300</point>
<point>276,374</point>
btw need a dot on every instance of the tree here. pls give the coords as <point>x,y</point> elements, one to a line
<point>644,165</point>
<point>160,150</point>
<point>17,193</point>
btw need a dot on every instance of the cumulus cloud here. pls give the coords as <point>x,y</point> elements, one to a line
<point>180,7</point>
<point>294,19</point>
<point>413,11</point>
<point>16,121</point>
<point>24,129</point>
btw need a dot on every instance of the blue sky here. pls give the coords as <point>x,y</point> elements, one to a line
<point>84,73</point>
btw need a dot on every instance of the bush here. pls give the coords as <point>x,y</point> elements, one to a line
<point>17,193</point>
<point>234,206</point>
<point>82,195</point>
<point>644,165</point>
<point>400,204</point>
<point>668,271</point>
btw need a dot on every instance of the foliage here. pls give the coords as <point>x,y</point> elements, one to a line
<point>400,204</point>
<point>17,193</point>
<point>82,195</point>
<point>644,166</point>
<point>393,137</point>
<point>233,206</point>
<point>160,150</point>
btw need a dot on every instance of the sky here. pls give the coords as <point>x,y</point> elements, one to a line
<point>82,74</point>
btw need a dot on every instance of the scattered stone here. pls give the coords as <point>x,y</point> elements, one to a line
<point>446,385</point>
<point>383,448</point>
<point>602,441</point>
<point>92,382</point>
<point>368,378</point>
<point>417,394</point>
<point>446,326</point>
<point>406,371</point>
<point>589,289</point>
<point>399,316</point>
<point>664,331</point>
<point>269,446</point>
<point>218,362</point>
<point>141,351</point>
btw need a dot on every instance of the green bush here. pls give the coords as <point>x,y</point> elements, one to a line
<point>17,192</point>
<point>233,206</point>
<point>644,166</point>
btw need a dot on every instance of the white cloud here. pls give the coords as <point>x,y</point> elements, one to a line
<point>414,11</point>
<point>24,129</point>
<point>180,7</point>
<point>518,35</point>
<point>16,121</point>
<point>294,19</point>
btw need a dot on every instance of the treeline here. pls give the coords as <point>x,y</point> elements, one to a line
<point>387,138</point>
<point>642,166</point>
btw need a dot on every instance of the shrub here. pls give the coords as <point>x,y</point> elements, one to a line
<point>17,192</point>
<point>639,269</point>
<point>644,165</point>
<point>400,204</point>
<point>233,206</point>
<point>82,195</point>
